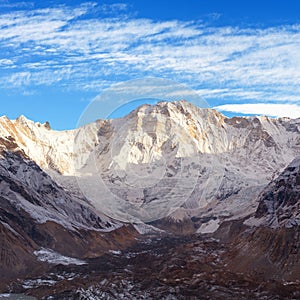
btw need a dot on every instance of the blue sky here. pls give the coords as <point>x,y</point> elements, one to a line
<point>242,57</point>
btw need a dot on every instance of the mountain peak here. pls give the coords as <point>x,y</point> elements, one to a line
<point>177,109</point>
<point>23,120</point>
<point>4,118</point>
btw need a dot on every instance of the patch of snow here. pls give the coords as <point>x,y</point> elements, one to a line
<point>115,252</point>
<point>34,283</point>
<point>52,257</point>
<point>254,222</point>
<point>9,228</point>
<point>143,228</point>
<point>291,282</point>
<point>16,297</point>
<point>209,227</point>
<point>292,222</point>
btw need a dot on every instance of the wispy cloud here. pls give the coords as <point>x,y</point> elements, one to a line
<point>268,109</point>
<point>8,4</point>
<point>5,62</point>
<point>69,46</point>
<point>113,8</point>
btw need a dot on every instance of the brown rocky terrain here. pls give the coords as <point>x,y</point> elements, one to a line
<point>166,267</point>
<point>271,248</point>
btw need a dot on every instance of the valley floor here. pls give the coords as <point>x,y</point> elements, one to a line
<point>157,267</point>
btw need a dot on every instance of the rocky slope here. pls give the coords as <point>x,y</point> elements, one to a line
<point>279,203</point>
<point>35,213</point>
<point>270,247</point>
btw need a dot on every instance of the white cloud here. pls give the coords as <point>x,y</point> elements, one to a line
<point>233,93</point>
<point>67,45</point>
<point>268,109</point>
<point>114,7</point>
<point>6,4</point>
<point>5,62</point>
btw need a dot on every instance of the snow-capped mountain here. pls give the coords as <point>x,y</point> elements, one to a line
<point>171,167</point>
<point>29,188</point>
<point>169,159</point>
<point>50,149</point>
<point>192,159</point>
<point>141,137</point>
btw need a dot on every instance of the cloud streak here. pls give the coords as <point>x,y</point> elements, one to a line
<point>67,46</point>
<point>268,109</point>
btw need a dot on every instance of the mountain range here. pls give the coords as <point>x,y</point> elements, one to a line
<point>172,172</point>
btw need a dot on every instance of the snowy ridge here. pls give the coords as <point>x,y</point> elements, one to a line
<point>147,129</point>
<point>28,187</point>
<point>48,148</point>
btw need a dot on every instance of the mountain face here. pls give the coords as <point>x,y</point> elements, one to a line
<point>167,168</point>
<point>35,213</point>
<point>48,148</point>
<point>169,160</point>
<point>271,245</point>
<point>280,201</point>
